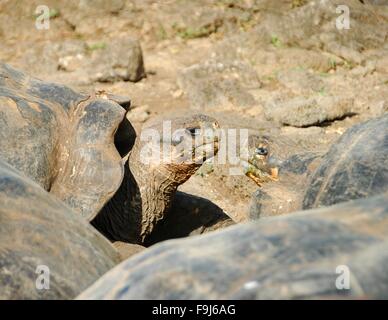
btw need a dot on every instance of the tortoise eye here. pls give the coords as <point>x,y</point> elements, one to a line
<point>193,131</point>
<point>262,151</point>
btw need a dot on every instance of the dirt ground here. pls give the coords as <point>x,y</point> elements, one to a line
<point>253,64</point>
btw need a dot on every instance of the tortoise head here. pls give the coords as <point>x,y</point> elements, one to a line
<point>163,156</point>
<point>176,148</point>
<point>259,164</point>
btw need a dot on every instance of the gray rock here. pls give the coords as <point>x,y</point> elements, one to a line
<point>300,80</point>
<point>219,83</point>
<point>204,22</point>
<point>139,114</point>
<point>47,59</point>
<point>314,26</point>
<point>99,6</point>
<point>378,108</point>
<point>120,59</point>
<point>83,14</point>
<point>301,112</point>
<point>382,63</point>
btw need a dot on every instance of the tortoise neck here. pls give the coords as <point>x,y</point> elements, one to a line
<point>141,201</point>
<point>155,191</point>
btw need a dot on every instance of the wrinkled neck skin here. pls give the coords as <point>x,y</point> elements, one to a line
<point>143,199</point>
<point>156,190</point>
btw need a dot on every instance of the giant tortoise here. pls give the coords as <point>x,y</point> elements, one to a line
<point>356,166</point>
<point>39,233</point>
<point>75,145</point>
<point>337,251</point>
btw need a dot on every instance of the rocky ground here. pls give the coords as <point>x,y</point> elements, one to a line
<point>279,68</point>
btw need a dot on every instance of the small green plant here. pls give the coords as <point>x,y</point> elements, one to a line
<point>349,64</point>
<point>322,91</point>
<point>96,46</point>
<point>54,13</point>
<point>298,3</point>
<point>269,77</point>
<point>299,68</point>
<point>192,33</point>
<point>205,170</point>
<point>161,33</point>
<point>225,3</point>
<point>196,32</point>
<point>332,64</point>
<point>276,41</point>
<point>78,35</point>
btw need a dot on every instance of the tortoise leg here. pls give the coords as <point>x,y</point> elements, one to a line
<point>255,179</point>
